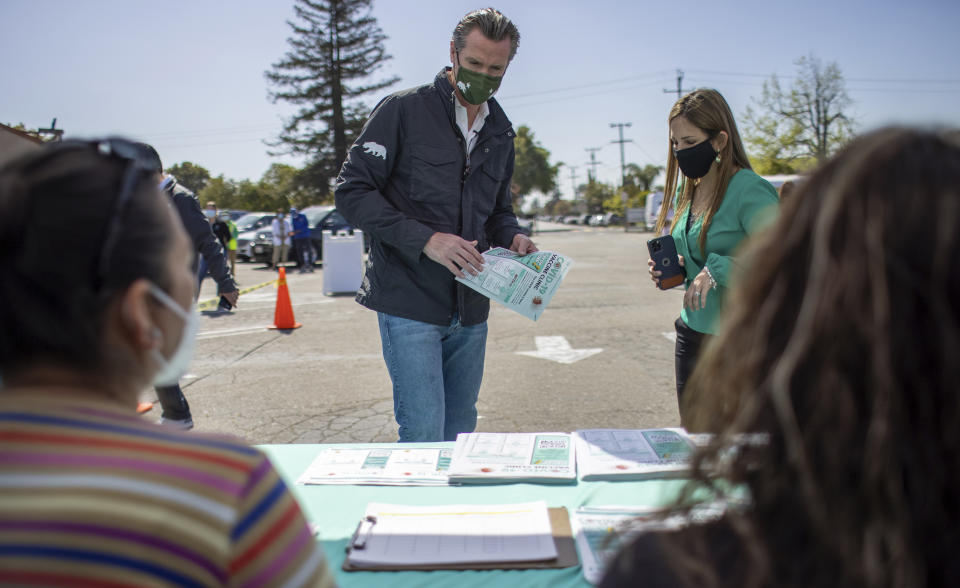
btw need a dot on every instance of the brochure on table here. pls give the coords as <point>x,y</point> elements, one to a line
<point>513,457</point>
<point>632,454</point>
<point>600,532</point>
<point>392,535</point>
<point>524,284</point>
<point>386,467</point>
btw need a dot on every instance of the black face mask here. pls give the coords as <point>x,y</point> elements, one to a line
<point>695,161</point>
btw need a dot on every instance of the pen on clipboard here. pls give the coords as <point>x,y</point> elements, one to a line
<point>364,528</point>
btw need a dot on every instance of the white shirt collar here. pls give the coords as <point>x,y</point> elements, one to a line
<point>470,134</point>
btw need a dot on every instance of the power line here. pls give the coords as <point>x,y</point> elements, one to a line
<point>849,79</point>
<point>588,85</point>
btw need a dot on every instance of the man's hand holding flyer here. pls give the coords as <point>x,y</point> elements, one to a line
<point>524,284</point>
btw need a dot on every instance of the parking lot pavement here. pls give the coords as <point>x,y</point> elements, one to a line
<point>326,381</point>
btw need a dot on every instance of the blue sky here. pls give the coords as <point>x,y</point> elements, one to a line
<point>187,76</point>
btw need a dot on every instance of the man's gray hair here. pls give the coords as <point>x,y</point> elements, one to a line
<point>492,23</point>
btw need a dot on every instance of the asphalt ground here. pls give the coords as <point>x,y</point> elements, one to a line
<point>326,381</point>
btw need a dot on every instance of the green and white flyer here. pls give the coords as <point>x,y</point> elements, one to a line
<point>522,283</point>
<point>513,457</point>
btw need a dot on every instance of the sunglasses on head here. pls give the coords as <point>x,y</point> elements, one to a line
<point>140,161</point>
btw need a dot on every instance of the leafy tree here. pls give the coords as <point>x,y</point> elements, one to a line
<point>191,175</point>
<point>595,193</point>
<point>558,206</point>
<point>222,192</point>
<point>311,186</point>
<point>531,168</point>
<point>792,129</point>
<point>335,45</point>
<point>641,178</point>
<point>614,202</point>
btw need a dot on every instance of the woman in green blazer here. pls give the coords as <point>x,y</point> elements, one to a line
<point>718,201</point>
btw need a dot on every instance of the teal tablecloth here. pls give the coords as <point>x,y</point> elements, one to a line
<point>336,510</point>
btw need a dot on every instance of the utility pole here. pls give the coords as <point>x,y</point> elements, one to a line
<point>573,181</point>
<point>679,90</point>
<point>623,169</point>
<point>592,174</point>
<point>623,164</point>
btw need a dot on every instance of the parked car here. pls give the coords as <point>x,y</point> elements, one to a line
<point>250,233</point>
<point>319,219</point>
<point>571,219</point>
<point>327,218</point>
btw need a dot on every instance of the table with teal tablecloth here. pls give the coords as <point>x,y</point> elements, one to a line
<point>336,509</point>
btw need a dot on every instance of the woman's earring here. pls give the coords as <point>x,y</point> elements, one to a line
<point>718,157</point>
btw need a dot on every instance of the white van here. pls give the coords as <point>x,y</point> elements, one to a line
<point>654,200</point>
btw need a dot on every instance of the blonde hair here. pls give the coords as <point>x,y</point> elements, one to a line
<point>706,109</point>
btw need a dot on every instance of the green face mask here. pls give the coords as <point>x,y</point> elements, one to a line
<point>475,87</point>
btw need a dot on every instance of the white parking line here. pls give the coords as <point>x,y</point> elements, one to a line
<point>672,336</point>
<point>231,332</point>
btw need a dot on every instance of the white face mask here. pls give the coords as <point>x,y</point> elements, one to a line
<point>173,369</point>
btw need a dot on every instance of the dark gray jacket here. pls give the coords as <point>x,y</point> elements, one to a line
<point>200,232</point>
<point>406,178</point>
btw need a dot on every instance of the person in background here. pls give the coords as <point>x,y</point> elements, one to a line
<point>91,494</point>
<point>281,229</point>
<point>839,351</point>
<point>210,211</point>
<point>719,201</point>
<point>176,409</point>
<point>302,248</point>
<point>429,180</point>
<point>226,231</point>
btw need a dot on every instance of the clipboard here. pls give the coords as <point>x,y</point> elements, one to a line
<point>562,538</point>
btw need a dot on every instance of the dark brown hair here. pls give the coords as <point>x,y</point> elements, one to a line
<point>492,23</point>
<point>842,346</point>
<point>55,208</point>
<point>707,110</point>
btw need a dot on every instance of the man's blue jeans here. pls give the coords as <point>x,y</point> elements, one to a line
<point>436,373</point>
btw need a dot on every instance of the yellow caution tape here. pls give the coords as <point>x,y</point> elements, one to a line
<point>212,303</point>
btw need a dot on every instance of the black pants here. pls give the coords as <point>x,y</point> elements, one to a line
<point>688,347</point>
<point>173,402</point>
<point>302,252</point>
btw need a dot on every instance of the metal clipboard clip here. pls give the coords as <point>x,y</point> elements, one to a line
<point>360,536</point>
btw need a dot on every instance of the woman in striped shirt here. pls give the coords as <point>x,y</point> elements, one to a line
<point>95,304</point>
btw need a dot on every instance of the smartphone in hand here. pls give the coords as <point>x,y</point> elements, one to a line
<point>663,252</point>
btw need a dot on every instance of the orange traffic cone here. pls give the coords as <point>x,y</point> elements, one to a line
<point>283,315</point>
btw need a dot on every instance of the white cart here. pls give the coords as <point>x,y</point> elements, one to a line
<point>342,261</point>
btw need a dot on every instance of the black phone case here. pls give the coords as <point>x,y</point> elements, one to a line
<point>666,261</point>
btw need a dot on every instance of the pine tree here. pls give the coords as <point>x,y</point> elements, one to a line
<point>336,44</point>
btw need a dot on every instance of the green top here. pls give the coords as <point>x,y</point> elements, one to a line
<point>747,205</point>
<point>232,244</point>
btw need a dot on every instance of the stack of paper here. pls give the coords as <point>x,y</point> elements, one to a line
<point>387,467</point>
<point>632,454</point>
<point>513,457</point>
<point>395,536</point>
<point>601,531</point>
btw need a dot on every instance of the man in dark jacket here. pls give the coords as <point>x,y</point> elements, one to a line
<point>176,410</point>
<point>429,180</point>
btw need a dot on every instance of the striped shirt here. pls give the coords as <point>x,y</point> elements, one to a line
<point>93,495</point>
